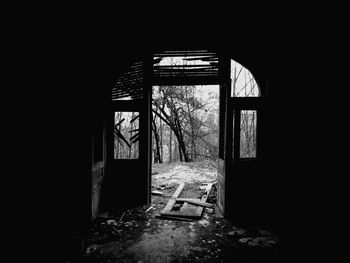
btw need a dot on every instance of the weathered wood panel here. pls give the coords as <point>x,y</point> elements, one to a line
<point>97,177</point>
<point>95,199</point>
<point>195,202</point>
<point>172,200</point>
<point>221,185</point>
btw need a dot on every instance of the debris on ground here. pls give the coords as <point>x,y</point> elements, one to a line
<point>191,207</point>
<point>264,232</point>
<point>173,218</point>
<point>151,207</point>
<point>138,234</point>
<point>104,215</point>
<point>209,210</point>
<point>244,239</point>
<point>111,222</point>
<point>162,186</point>
<point>237,232</point>
<point>157,193</point>
<point>204,222</point>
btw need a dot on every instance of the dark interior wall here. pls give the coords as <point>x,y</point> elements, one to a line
<point>50,154</point>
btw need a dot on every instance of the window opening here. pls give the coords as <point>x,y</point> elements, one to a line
<point>248,134</point>
<point>243,83</point>
<point>126,135</point>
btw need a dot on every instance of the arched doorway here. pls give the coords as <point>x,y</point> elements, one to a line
<point>131,97</point>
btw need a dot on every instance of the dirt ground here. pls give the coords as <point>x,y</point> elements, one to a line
<point>138,236</point>
<point>174,173</point>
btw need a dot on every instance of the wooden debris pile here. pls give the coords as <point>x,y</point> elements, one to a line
<point>187,209</point>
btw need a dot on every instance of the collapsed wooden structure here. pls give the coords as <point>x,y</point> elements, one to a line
<point>185,211</point>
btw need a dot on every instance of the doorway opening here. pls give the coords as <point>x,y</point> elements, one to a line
<point>185,142</point>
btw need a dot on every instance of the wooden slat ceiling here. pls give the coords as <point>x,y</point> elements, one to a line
<point>196,67</point>
<point>129,84</point>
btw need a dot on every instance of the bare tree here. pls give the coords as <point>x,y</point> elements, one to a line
<point>126,135</point>
<point>186,116</point>
<point>170,112</point>
<point>156,151</point>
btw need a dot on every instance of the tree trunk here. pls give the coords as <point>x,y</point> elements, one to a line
<point>193,143</point>
<point>161,141</point>
<point>253,133</point>
<point>170,146</point>
<point>180,153</point>
<point>156,139</point>
<point>190,115</point>
<point>182,145</point>
<point>176,150</point>
<point>246,131</point>
<point>131,127</point>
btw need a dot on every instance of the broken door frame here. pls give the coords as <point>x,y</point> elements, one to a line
<point>97,167</point>
<point>122,172</point>
<point>240,172</point>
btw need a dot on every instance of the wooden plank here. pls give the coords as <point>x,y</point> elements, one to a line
<point>204,198</point>
<point>173,218</point>
<point>184,214</point>
<point>221,185</point>
<point>195,202</point>
<point>121,218</point>
<point>187,80</point>
<point>170,67</point>
<point>132,83</point>
<point>98,166</point>
<point>196,214</point>
<point>202,72</point>
<point>172,200</point>
<point>184,207</point>
<point>203,58</point>
<point>157,193</point>
<point>185,54</point>
<point>151,207</point>
<point>184,69</point>
<point>129,81</point>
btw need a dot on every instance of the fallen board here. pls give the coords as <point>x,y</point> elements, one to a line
<point>186,213</point>
<point>195,202</point>
<point>172,200</point>
<point>173,218</point>
<point>157,193</point>
<point>204,198</point>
